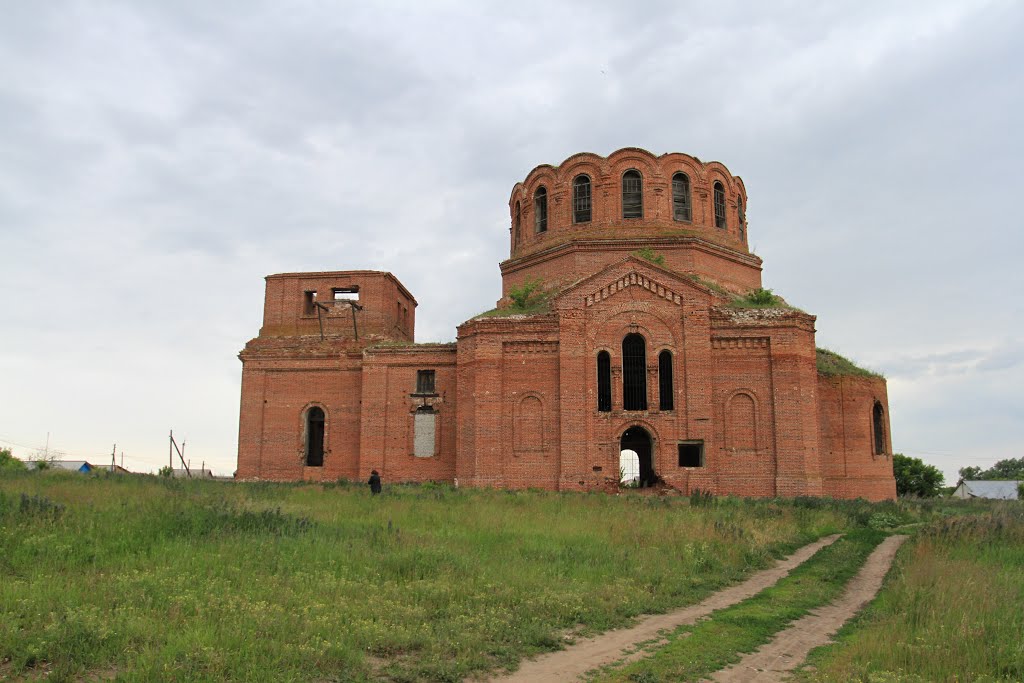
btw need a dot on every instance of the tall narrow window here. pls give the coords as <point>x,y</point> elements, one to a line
<point>878,420</point>
<point>315,437</point>
<point>540,209</point>
<point>632,195</point>
<point>581,199</point>
<point>681,209</point>
<point>309,303</point>
<point>519,220</point>
<point>604,381</point>
<point>719,205</point>
<point>742,219</point>
<point>425,382</point>
<point>665,393</point>
<point>634,373</point>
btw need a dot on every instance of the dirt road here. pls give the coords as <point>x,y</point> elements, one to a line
<point>789,647</point>
<point>590,653</point>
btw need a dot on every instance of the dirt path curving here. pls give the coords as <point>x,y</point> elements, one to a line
<point>789,647</point>
<point>586,654</point>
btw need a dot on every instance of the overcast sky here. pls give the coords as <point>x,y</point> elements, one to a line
<point>158,159</point>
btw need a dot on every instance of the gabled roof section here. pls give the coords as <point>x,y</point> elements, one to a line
<point>630,272</point>
<point>998,490</point>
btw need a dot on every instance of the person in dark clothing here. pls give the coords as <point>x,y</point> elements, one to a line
<point>374,482</point>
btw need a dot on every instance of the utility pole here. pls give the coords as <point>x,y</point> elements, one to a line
<point>113,458</point>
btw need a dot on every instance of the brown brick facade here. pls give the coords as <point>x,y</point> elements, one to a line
<point>720,398</point>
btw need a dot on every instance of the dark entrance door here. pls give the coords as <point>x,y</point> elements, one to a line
<point>637,439</point>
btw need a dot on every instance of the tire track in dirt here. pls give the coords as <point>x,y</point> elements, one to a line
<point>789,648</point>
<point>589,653</point>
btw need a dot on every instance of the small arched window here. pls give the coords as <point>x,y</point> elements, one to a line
<point>315,437</point>
<point>518,223</point>
<point>665,393</point>
<point>540,209</point>
<point>581,199</point>
<point>634,372</point>
<point>878,422</point>
<point>681,209</point>
<point>719,205</point>
<point>632,195</point>
<point>604,381</point>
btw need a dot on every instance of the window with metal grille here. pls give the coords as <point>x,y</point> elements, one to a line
<point>691,454</point>
<point>581,199</point>
<point>719,205</point>
<point>540,209</point>
<point>634,372</point>
<point>425,382</point>
<point>665,393</point>
<point>604,381</point>
<point>878,419</point>
<point>681,209</point>
<point>315,437</point>
<point>632,195</point>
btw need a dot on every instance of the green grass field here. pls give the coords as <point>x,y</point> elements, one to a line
<point>141,578</point>
<point>951,610</point>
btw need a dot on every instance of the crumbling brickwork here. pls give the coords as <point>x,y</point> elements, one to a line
<point>634,339</point>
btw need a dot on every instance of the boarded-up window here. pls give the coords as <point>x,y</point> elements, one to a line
<point>632,195</point>
<point>425,383</point>
<point>681,210</point>
<point>529,426</point>
<point>740,427</point>
<point>424,432</point>
<point>540,209</point>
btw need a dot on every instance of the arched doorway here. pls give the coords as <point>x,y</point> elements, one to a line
<point>638,440</point>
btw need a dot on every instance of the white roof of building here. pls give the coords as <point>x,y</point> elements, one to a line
<point>1000,490</point>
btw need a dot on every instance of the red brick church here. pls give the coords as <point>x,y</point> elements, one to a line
<point>631,319</point>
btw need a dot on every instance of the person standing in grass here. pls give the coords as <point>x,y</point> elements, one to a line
<point>374,482</point>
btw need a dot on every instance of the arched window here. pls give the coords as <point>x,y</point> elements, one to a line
<point>604,381</point>
<point>878,421</point>
<point>634,372</point>
<point>581,199</point>
<point>315,437</point>
<point>665,393</point>
<point>681,210</point>
<point>719,205</point>
<point>540,209</point>
<point>519,220</point>
<point>742,219</point>
<point>632,195</point>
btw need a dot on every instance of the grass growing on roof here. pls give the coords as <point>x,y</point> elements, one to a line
<point>831,363</point>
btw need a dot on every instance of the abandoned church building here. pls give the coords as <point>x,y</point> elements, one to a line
<point>631,319</point>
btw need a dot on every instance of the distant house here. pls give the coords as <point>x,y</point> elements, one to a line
<point>194,473</point>
<point>71,465</point>
<point>997,490</point>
